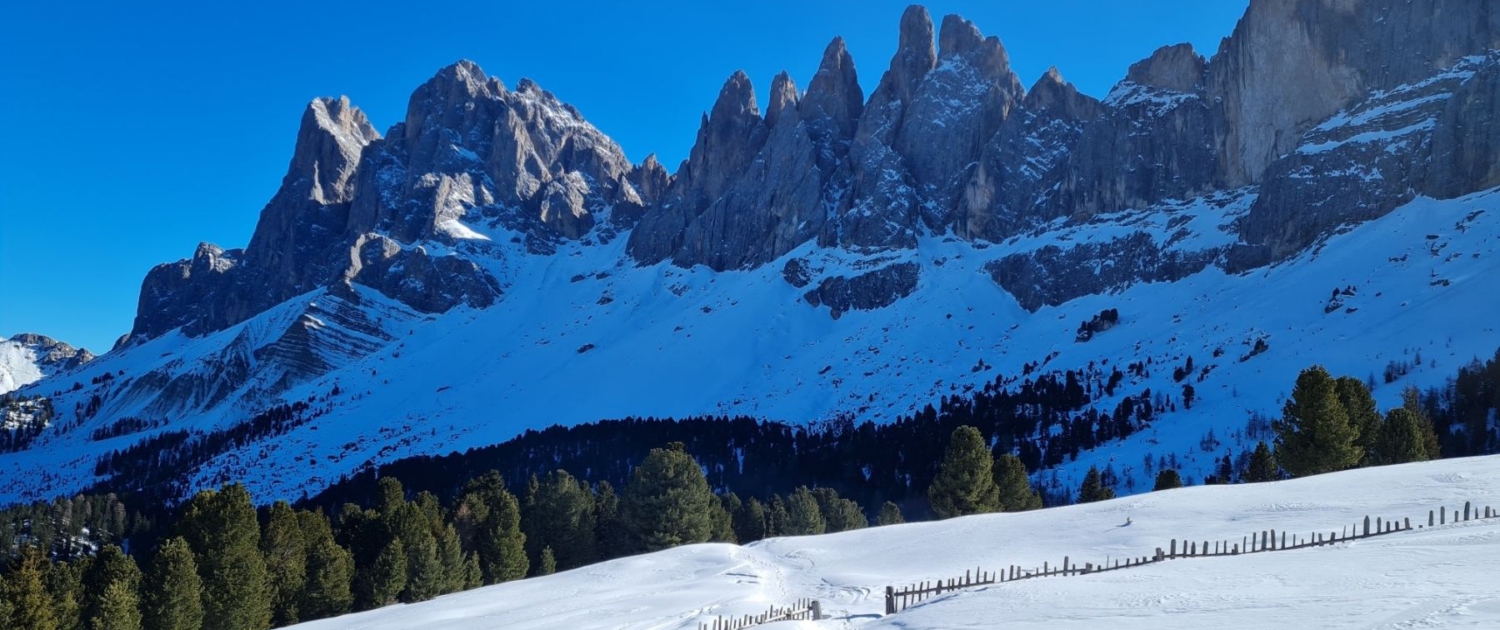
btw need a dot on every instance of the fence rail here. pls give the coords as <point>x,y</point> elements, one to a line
<point>803,609</point>
<point>898,599</point>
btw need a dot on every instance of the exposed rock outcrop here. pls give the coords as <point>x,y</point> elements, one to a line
<point>867,291</point>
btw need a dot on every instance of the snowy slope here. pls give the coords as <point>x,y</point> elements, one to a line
<point>1439,577</point>
<point>583,336</point>
<point>28,358</point>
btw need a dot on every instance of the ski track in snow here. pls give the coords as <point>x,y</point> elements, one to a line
<point>1441,577</point>
<point>679,342</point>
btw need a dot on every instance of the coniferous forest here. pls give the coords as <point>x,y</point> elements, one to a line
<point>561,498</point>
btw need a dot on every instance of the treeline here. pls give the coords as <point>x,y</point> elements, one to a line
<point>1044,420</point>
<point>221,565</point>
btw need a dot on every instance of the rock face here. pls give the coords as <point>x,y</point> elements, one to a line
<point>867,291</point>
<point>1330,111</point>
<point>354,207</point>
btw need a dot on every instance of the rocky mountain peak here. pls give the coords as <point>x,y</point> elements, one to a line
<point>783,97</point>
<point>1177,68</point>
<point>1054,94</point>
<point>916,55</point>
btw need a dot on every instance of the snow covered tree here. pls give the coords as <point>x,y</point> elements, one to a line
<point>174,593</point>
<point>804,517</point>
<point>221,528</point>
<point>965,482</point>
<point>1167,479</point>
<point>285,552</point>
<point>667,502</point>
<point>1262,465</point>
<point>1314,435</point>
<point>1015,491</point>
<point>1093,488</point>
<point>890,514</point>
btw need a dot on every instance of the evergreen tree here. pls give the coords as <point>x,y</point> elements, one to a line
<point>839,514</point>
<point>330,571</point>
<point>64,582</point>
<point>1167,479</point>
<point>495,517</point>
<point>1262,466</point>
<point>890,514</point>
<point>1364,416</point>
<point>721,527</point>
<point>30,608</point>
<point>804,517</point>
<point>965,482</point>
<point>1093,488</point>
<point>451,556</point>
<point>561,516</point>
<point>110,567</point>
<point>119,608</point>
<point>388,575</point>
<point>1314,435</point>
<point>473,576</point>
<point>667,502</point>
<point>1015,491</point>
<point>610,537</point>
<point>547,565</point>
<point>222,530</point>
<point>1402,438</point>
<point>750,521</point>
<point>426,577</point>
<point>285,552</point>
<point>777,518</point>
<point>174,593</point>
<point>1411,401</point>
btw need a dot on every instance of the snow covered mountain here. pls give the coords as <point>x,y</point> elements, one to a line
<point>1432,577</point>
<point>494,263</point>
<point>27,358</point>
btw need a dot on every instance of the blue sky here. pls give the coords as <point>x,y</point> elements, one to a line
<point>136,130</point>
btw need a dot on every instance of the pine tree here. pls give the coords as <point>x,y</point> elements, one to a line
<point>495,521</point>
<point>777,517</point>
<point>174,593</point>
<point>451,556</point>
<point>425,575</point>
<point>110,567</point>
<point>750,521</point>
<point>285,553</point>
<point>119,608</point>
<point>327,589</point>
<point>1364,416</point>
<point>1411,401</point>
<point>965,482</point>
<point>473,576</point>
<point>1093,488</point>
<point>1015,491</point>
<point>890,514</point>
<point>1314,435</point>
<point>1402,440</point>
<point>610,538</point>
<point>64,582</point>
<point>1167,479</point>
<point>804,517</point>
<point>30,608</point>
<point>222,530</point>
<point>388,575</point>
<point>839,514</point>
<point>561,516</point>
<point>721,527</point>
<point>1262,466</point>
<point>547,565</point>
<point>667,502</point>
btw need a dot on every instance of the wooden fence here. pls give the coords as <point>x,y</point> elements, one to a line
<point>804,609</point>
<point>898,599</point>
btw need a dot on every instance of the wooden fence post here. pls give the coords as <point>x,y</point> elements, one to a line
<point>1466,510</point>
<point>817,610</point>
<point>1173,553</point>
<point>890,600</point>
<point>1367,525</point>
<point>1442,515</point>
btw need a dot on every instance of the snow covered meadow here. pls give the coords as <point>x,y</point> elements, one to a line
<point>1431,577</point>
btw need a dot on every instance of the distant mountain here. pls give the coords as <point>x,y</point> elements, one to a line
<point>494,263</point>
<point>27,358</point>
